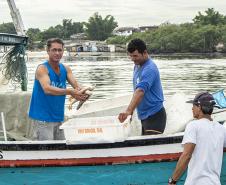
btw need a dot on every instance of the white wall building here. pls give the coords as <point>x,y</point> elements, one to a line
<point>124,31</point>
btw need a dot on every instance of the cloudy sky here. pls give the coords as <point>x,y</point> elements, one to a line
<point>45,13</point>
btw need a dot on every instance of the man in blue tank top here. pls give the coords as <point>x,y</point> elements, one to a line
<point>49,92</point>
<point>148,94</point>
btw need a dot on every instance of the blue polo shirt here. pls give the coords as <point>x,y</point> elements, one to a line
<point>147,78</point>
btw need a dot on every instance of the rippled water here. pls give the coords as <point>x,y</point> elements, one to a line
<point>112,74</point>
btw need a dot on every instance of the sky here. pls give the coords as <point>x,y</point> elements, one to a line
<point>45,13</point>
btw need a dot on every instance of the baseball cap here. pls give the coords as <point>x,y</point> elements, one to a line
<point>203,99</point>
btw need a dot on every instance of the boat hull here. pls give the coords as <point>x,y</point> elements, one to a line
<point>53,153</point>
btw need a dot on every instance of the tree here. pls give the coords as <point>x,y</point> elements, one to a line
<point>212,17</point>
<point>34,34</point>
<point>202,39</point>
<point>52,32</point>
<point>7,28</point>
<point>222,40</point>
<point>116,40</point>
<point>98,28</point>
<point>70,28</point>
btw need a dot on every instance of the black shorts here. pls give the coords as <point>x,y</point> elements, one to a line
<point>154,124</point>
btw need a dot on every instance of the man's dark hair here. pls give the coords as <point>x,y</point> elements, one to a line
<point>54,40</point>
<point>207,109</point>
<point>206,101</point>
<point>136,44</point>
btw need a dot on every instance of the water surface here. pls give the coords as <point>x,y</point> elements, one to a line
<point>112,74</point>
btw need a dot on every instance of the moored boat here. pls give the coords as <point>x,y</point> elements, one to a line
<point>58,153</point>
<point>134,149</point>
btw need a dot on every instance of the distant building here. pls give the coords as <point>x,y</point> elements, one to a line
<point>86,46</point>
<point>78,36</point>
<point>220,47</point>
<point>147,28</point>
<point>125,31</point>
<point>74,48</point>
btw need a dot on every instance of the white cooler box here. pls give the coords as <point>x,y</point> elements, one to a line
<point>95,130</point>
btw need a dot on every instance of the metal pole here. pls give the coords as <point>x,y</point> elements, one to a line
<point>16,17</point>
<point>3,126</point>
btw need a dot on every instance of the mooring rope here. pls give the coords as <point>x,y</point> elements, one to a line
<point>14,66</point>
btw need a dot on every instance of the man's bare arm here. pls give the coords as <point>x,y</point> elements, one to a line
<point>136,99</point>
<point>71,79</point>
<point>43,77</point>
<point>183,160</point>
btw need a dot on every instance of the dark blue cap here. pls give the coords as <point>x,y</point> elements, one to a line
<point>204,99</point>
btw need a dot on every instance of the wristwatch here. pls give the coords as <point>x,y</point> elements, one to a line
<point>171,181</point>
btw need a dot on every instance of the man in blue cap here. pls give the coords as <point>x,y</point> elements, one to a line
<point>203,142</point>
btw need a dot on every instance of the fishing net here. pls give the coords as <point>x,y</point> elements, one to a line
<point>13,66</point>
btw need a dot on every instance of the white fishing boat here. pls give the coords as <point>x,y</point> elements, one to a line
<point>19,150</point>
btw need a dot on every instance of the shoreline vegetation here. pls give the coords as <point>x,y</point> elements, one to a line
<point>189,55</point>
<point>205,36</point>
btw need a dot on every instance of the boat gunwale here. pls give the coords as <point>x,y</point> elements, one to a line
<point>63,145</point>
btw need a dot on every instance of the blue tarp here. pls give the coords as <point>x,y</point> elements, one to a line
<point>220,98</point>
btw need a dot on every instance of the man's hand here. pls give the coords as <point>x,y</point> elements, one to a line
<point>123,116</point>
<point>136,99</point>
<point>79,94</point>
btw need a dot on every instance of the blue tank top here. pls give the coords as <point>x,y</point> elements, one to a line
<point>45,107</point>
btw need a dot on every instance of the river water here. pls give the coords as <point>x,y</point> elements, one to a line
<point>112,74</point>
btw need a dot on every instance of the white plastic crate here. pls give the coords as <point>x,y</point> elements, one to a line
<point>95,130</point>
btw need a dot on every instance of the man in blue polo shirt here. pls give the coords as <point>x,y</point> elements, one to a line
<point>148,94</point>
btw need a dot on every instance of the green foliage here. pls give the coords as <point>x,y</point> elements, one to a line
<point>117,40</point>
<point>7,28</point>
<point>202,36</point>
<point>212,17</point>
<point>52,32</point>
<point>207,31</point>
<point>205,38</point>
<point>222,32</point>
<point>172,38</point>
<point>166,38</point>
<point>98,28</point>
<point>63,31</point>
<point>69,28</point>
<point>34,34</point>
